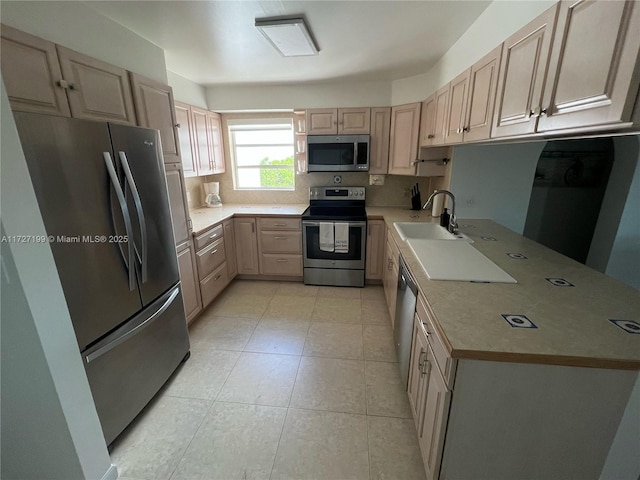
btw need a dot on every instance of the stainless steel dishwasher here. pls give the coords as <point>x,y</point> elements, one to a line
<point>403,324</point>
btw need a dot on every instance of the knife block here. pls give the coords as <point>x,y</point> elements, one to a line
<point>416,204</point>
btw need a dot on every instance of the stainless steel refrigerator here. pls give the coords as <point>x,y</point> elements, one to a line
<point>102,192</point>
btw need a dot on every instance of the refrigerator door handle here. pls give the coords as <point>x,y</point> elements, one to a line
<point>125,214</point>
<point>138,328</point>
<point>139,209</point>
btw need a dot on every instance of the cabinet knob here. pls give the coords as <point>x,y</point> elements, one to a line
<point>466,129</point>
<point>537,111</point>
<point>177,125</point>
<point>431,135</point>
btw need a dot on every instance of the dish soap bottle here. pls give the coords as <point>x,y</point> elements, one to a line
<point>444,219</point>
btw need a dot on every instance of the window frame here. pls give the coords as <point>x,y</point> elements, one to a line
<point>259,123</point>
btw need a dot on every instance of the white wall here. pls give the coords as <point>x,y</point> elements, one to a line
<point>273,97</point>
<point>495,181</point>
<point>624,261</point>
<point>50,428</point>
<point>623,461</point>
<point>493,26</point>
<point>77,26</point>
<point>184,90</point>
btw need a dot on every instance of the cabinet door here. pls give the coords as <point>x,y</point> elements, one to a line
<point>458,93</point>
<point>322,121</point>
<point>154,109</point>
<point>215,142</point>
<point>200,138</point>
<point>230,249</point>
<point>482,96</point>
<point>522,71</point>
<point>178,204</point>
<point>375,249</point>
<point>183,122</point>
<point>591,72</point>
<point>354,121</point>
<point>416,385</point>
<point>390,281</point>
<point>428,121</point>
<point>405,129</point>
<point>97,90</point>
<point>31,74</point>
<point>442,101</point>
<point>189,281</point>
<point>432,427</point>
<point>380,131</point>
<point>246,246</point>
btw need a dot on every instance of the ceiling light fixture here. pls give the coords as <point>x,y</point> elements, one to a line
<point>290,36</point>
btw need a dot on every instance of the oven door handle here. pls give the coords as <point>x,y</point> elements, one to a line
<point>309,223</point>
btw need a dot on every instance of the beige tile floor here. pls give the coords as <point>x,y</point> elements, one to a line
<point>285,381</point>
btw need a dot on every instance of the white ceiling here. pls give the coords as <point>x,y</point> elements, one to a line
<point>215,42</point>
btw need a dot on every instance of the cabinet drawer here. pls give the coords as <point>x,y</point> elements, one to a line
<point>289,265</point>
<point>211,286</point>
<point>281,242</point>
<point>446,364</point>
<point>279,223</point>
<point>209,236</point>
<point>210,258</point>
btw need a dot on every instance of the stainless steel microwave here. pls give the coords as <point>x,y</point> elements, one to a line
<point>338,153</point>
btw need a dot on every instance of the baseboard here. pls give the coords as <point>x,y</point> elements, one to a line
<point>111,474</point>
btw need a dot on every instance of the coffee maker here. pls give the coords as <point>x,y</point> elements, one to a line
<point>212,194</point>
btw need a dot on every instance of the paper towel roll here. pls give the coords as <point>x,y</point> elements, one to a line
<point>436,209</point>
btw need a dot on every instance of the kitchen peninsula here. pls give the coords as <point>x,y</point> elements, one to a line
<point>557,390</point>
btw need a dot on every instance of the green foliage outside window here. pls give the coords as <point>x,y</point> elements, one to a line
<point>277,177</point>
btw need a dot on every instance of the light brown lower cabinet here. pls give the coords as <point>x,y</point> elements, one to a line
<point>375,250</point>
<point>390,275</point>
<point>230,248</point>
<point>211,261</point>
<point>189,281</point>
<point>246,245</point>
<point>429,398</point>
<point>280,246</point>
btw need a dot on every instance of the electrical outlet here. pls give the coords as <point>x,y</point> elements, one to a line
<point>406,192</point>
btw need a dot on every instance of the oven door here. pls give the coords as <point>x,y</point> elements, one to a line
<point>316,258</point>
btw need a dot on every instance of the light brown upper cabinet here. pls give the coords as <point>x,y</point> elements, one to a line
<point>216,151</point>
<point>200,136</point>
<point>42,77</point>
<point>31,74</point>
<point>405,131</point>
<point>483,81</point>
<point>428,121</point>
<point>458,93</point>
<point>471,100</point>
<point>594,55</point>
<point>525,57</point>
<point>201,141</point>
<point>380,131</point>
<point>442,101</point>
<point>183,119</point>
<point>343,121</point>
<point>155,109</point>
<point>96,90</point>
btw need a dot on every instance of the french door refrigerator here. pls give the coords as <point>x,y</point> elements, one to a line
<point>102,192</point>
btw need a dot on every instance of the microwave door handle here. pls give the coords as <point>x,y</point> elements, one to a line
<point>355,153</point>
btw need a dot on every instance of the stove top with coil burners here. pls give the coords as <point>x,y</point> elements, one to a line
<point>336,204</point>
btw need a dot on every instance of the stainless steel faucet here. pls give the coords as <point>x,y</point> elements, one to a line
<point>453,225</point>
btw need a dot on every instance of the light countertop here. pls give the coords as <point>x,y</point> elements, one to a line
<point>203,218</point>
<point>573,322</point>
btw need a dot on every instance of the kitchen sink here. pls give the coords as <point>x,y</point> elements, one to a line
<point>427,231</point>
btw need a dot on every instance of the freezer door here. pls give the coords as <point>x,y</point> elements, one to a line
<point>79,206</point>
<point>139,157</point>
<point>127,369</point>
